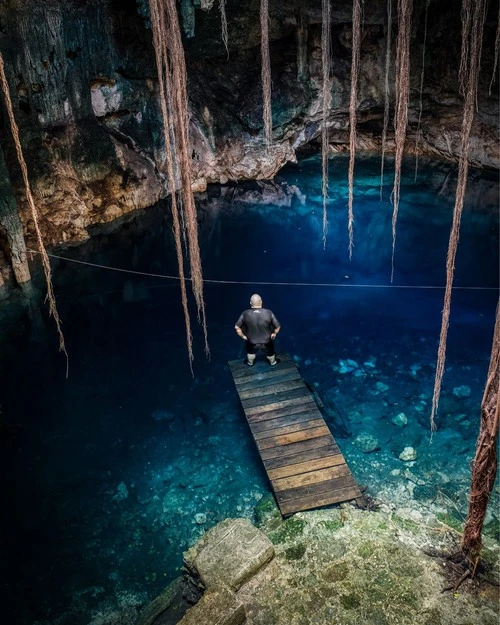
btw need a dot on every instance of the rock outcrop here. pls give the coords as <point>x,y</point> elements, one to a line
<point>85,92</point>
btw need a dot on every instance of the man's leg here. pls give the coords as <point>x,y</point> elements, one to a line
<point>270,354</point>
<point>251,353</point>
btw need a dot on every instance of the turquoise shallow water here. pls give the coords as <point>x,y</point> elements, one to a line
<point>105,473</point>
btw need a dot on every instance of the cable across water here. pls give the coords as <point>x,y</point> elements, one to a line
<point>262,283</point>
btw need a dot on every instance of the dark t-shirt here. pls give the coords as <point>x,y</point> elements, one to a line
<point>258,324</point>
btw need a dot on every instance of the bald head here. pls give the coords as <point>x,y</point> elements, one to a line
<point>256,301</point>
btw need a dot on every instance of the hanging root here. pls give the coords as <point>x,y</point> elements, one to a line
<point>171,69</point>
<point>223,23</point>
<point>386,92</point>
<point>327,94</point>
<point>401,114</point>
<point>181,119</point>
<point>420,102</point>
<point>497,46</point>
<point>34,213</point>
<point>356,42</point>
<point>266,72</point>
<point>485,465</point>
<point>473,14</point>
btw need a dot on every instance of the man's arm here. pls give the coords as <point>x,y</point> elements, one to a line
<point>276,325</point>
<point>240,333</point>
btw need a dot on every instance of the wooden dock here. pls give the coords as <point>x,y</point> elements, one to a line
<point>303,462</point>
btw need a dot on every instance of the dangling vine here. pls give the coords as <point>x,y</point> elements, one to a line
<point>327,95</point>
<point>223,23</point>
<point>356,42</point>
<point>484,467</point>
<point>420,101</point>
<point>171,68</point>
<point>497,46</point>
<point>401,113</point>
<point>266,72</point>
<point>34,213</point>
<point>473,16</point>
<point>386,92</point>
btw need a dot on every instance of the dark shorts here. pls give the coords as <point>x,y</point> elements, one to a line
<point>267,348</point>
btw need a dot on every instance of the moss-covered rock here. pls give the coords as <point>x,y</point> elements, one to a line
<point>295,552</point>
<point>266,512</point>
<point>288,531</point>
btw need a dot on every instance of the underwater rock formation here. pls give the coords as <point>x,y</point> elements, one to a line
<point>86,97</point>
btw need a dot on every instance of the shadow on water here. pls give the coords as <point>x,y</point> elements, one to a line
<point>108,476</point>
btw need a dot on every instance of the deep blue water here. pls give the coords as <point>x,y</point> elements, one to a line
<point>102,474</point>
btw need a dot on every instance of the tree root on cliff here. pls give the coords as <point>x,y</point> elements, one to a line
<point>456,569</point>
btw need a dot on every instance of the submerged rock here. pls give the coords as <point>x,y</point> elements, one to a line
<point>370,363</point>
<point>462,391</point>
<point>346,366</point>
<point>121,492</point>
<point>367,443</point>
<point>400,420</point>
<point>162,415</point>
<point>408,454</point>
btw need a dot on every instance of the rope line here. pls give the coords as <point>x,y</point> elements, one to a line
<point>254,282</point>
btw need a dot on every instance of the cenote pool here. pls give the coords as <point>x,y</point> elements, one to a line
<point>108,476</point>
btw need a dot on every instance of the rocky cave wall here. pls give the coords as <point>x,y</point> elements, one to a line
<point>85,95</point>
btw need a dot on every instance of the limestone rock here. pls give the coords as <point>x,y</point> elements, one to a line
<point>164,601</point>
<point>400,420</point>
<point>367,442</point>
<point>218,606</point>
<point>461,391</point>
<point>229,554</point>
<point>348,365</point>
<point>408,454</point>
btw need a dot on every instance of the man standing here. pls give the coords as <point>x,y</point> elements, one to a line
<point>258,327</point>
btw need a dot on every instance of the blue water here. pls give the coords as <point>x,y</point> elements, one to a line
<point>102,474</point>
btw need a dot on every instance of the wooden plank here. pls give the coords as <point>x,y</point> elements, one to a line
<point>239,369</point>
<point>263,372</point>
<point>288,403</point>
<point>294,437</point>
<point>307,503</point>
<point>300,405</point>
<point>304,467</point>
<point>277,397</point>
<point>301,456</point>
<point>264,391</point>
<point>294,448</point>
<point>287,429</point>
<point>285,420</point>
<point>261,381</point>
<point>312,477</point>
<point>320,488</point>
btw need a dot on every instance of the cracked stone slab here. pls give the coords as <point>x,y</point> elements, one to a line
<point>229,554</point>
<point>218,606</point>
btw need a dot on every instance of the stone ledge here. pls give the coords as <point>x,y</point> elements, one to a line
<point>229,554</point>
<point>218,606</point>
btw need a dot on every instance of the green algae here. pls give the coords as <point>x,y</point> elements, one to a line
<point>296,552</point>
<point>288,531</point>
<point>336,572</point>
<point>450,521</point>
<point>332,525</point>
<point>266,512</point>
<point>349,602</point>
